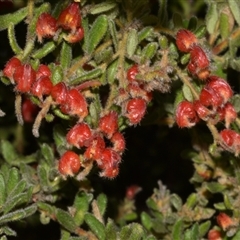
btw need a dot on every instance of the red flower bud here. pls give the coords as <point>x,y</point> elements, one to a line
<point>109,163</point>
<point>210,98</point>
<point>118,142</point>
<point>202,112</point>
<point>69,163</point>
<point>214,234</point>
<point>76,36</point>
<point>132,191</point>
<point>229,114</point>
<point>43,70</point>
<point>186,115</point>
<point>70,18</point>
<point>230,140</point>
<point>11,67</point>
<point>224,221</point>
<point>220,86</point>
<point>43,86</point>
<point>185,40</point>
<point>108,124</point>
<point>24,76</point>
<point>29,110</point>
<point>136,109</point>
<point>75,104</point>
<point>199,63</point>
<point>80,135</point>
<point>94,151</point>
<point>46,26</point>
<point>132,72</point>
<point>59,93</point>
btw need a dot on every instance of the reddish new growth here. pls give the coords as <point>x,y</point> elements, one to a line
<point>186,115</point>
<point>185,40</point>
<point>224,221</point>
<point>69,163</point>
<point>46,26</point>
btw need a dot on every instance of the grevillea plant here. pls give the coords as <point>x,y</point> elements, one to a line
<point>80,74</point>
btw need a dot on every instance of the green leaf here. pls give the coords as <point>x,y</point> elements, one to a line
<point>8,151</point>
<point>65,56</point>
<point>102,203</point>
<point>12,18</point>
<point>220,206</point>
<point>235,8</point>
<point>44,50</point>
<point>18,188</point>
<point>16,200</point>
<point>228,202</point>
<point>176,201</point>
<point>18,215</point>
<point>87,76</point>
<point>177,232</point>
<point>8,231</point>
<point>203,228</point>
<point>2,191</point>
<point>146,221</point>
<point>13,179</point>
<point>57,75</point>
<point>193,23</point>
<point>111,230</point>
<point>46,207</point>
<point>81,204</point>
<point>125,232</point>
<point>111,71</point>
<point>48,154</point>
<point>163,13</point>
<point>215,187</point>
<point>192,200</point>
<point>145,33</point>
<point>43,171</point>
<point>236,236</point>
<point>113,32</point>
<point>97,32</point>
<point>59,137</point>
<point>201,31</point>
<point>212,17</point>
<point>132,42</point>
<point>66,220</point>
<point>151,204</point>
<point>187,93</point>
<point>149,51</point>
<point>96,226</point>
<point>137,231</point>
<point>224,25</point>
<point>102,7</point>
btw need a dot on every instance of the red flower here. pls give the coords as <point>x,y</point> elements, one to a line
<point>76,36</point>
<point>132,72</point>
<point>220,86</point>
<point>43,86</point>
<point>80,135</point>
<point>70,18</point>
<point>11,67</point>
<point>186,115</point>
<point>118,142</point>
<point>24,76</point>
<point>69,163</point>
<point>108,124</point>
<point>46,26</point>
<point>43,70</point>
<point>136,109</point>
<point>185,40</point>
<point>59,93</point>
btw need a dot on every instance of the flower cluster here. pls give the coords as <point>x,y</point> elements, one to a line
<point>69,21</point>
<point>213,103</point>
<point>135,97</point>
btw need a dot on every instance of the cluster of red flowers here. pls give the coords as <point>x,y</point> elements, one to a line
<point>69,20</point>
<point>213,104</point>
<point>27,80</point>
<point>95,148</point>
<point>134,98</point>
